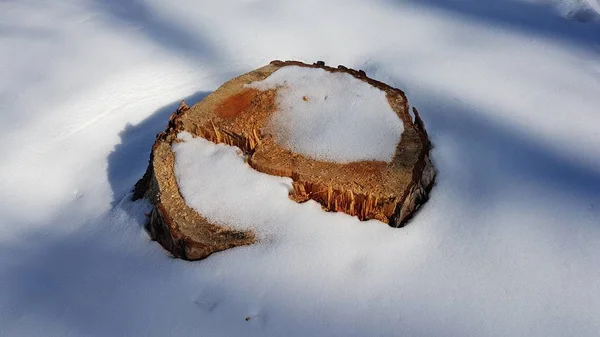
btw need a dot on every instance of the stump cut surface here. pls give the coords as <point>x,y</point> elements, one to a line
<point>244,112</point>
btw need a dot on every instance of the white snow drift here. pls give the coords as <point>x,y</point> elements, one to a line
<point>508,244</point>
<point>331,116</point>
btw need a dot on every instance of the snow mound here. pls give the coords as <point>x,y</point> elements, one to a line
<point>215,181</point>
<point>331,116</point>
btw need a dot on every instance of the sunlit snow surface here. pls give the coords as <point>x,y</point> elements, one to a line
<point>331,116</point>
<point>508,244</point>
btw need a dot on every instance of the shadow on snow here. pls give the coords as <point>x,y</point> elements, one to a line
<point>524,17</point>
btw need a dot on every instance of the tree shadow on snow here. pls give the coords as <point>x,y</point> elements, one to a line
<point>171,35</point>
<point>128,161</point>
<point>489,157</point>
<point>92,280</point>
<point>75,281</point>
<point>534,19</point>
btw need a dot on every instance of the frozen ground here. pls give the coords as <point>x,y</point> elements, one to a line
<point>508,245</point>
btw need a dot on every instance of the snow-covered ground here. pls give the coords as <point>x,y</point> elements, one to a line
<point>509,243</point>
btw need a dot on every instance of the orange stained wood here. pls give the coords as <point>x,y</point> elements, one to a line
<point>233,106</point>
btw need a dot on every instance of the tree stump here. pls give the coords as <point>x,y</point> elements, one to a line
<point>240,113</point>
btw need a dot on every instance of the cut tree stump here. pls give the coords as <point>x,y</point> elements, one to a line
<point>235,114</point>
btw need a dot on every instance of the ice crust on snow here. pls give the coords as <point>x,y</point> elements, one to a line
<point>331,116</point>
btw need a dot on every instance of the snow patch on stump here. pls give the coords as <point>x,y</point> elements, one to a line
<point>215,181</point>
<point>331,116</point>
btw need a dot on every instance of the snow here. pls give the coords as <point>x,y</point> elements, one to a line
<point>508,244</point>
<point>215,180</point>
<point>331,116</point>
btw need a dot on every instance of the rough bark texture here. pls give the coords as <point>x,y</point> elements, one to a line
<point>235,115</point>
<point>177,227</point>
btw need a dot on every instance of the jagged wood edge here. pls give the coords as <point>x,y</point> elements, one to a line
<point>161,226</point>
<point>423,175</point>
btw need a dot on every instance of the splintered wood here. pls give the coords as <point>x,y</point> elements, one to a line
<point>364,206</point>
<point>246,142</point>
